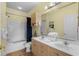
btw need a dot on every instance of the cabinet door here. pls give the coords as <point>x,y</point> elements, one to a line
<point>39,49</point>
<point>35,47</point>
<point>43,49</point>
<point>52,52</point>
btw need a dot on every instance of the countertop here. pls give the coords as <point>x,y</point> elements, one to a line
<point>74,51</point>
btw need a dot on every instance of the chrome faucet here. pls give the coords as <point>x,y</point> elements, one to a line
<point>66,43</point>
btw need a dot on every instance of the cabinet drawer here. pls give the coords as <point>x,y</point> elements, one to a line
<point>43,49</point>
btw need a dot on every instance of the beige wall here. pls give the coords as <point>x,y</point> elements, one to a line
<point>2,13</point>
<point>16,12</point>
<point>16,15</point>
<point>3,22</point>
<point>35,14</point>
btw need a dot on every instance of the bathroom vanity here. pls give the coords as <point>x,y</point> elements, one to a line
<point>66,25</point>
<point>46,47</point>
<point>40,48</point>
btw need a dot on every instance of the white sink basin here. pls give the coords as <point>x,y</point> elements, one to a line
<point>47,39</point>
<point>68,47</point>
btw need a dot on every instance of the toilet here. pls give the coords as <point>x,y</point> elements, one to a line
<point>28,47</point>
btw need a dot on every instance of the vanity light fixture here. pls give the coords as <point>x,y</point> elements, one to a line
<point>51,4</point>
<point>19,8</point>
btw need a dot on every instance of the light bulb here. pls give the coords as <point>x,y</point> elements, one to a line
<point>46,7</point>
<point>19,8</point>
<point>52,4</point>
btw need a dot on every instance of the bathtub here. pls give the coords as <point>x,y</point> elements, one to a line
<point>12,47</point>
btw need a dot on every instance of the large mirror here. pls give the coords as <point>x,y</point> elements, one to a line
<point>62,19</point>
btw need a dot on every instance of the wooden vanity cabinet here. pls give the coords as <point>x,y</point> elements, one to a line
<point>41,49</point>
<point>52,52</point>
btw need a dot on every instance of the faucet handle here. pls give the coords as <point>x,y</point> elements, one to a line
<point>66,43</point>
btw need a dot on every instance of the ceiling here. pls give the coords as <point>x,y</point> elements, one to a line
<point>26,6</point>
